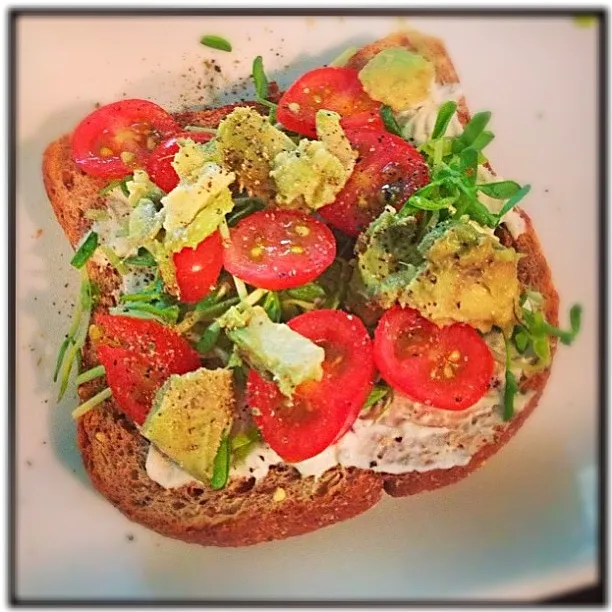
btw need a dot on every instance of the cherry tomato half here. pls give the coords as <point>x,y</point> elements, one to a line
<point>445,367</point>
<point>197,270</point>
<point>332,88</point>
<point>138,356</point>
<point>159,165</point>
<point>320,412</point>
<point>279,249</point>
<point>119,137</point>
<point>388,171</point>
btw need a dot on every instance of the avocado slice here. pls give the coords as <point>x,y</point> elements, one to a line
<point>468,277</point>
<point>398,77</point>
<point>191,415</point>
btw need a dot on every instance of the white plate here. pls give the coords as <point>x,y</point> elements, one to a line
<point>524,526</point>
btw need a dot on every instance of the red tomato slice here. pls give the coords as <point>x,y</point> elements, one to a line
<point>129,127</point>
<point>159,165</point>
<point>138,356</point>
<point>388,171</point>
<point>197,270</point>
<point>321,412</point>
<point>279,249</point>
<point>445,367</point>
<point>331,88</point>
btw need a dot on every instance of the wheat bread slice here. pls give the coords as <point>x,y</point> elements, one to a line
<point>282,504</point>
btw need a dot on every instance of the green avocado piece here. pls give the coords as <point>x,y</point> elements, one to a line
<point>248,143</point>
<point>388,258</point>
<point>398,77</point>
<point>191,415</point>
<point>273,348</point>
<point>192,155</point>
<point>468,277</point>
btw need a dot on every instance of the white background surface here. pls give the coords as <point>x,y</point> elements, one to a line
<point>525,525</point>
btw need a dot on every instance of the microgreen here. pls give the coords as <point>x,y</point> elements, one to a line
<point>85,250</point>
<point>453,163</point>
<point>216,42</point>
<point>221,465</point>
<point>386,114</point>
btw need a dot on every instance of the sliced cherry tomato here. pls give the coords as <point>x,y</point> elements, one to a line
<point>279,249</point>
<point>119,137</point>
<point>445,367</point>
<point>332,88</point>
<point>320,412</point>
<point>197,270</point>
<point>388,171</point>
<point>159,165</point>
<point>138,356</point>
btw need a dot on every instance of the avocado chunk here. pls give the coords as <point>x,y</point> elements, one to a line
<point>387,258</point>
<point>248,143</point>
<point>468,277</point>
<point>398,77</point>
<point>273,348</point>
<point>192,155</point>
<point>191,415</point>
<point>141,186</point>
<point>313,174</point>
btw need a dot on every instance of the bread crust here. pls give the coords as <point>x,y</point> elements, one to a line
<point>282,504</point>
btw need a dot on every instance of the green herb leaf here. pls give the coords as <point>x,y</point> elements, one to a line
<point>140,297</point>
<point>142,310</point>
<point>513,201</point>
<point>386,114</point>
<point>216,42</point>
<point>475,128</point>
<point>500,190</point>
<point>75,343</point>
<point>511,387</point>
<point>117,183</point>
<point>91,403</point>
<point>243,207</point>
<point>209,338</point>
<point>221,465</point>
<point>272,306</point>
<point>308,292</point>
<point>521,340</point>
<point>91,374</point>
<point>468,160</point>
<point>60,355</point>
<point>243,443</point>
<point>216,310</point>
<point>259,78</point>
<point>481,141</point>
<point>445,114</point>
<point>142,259</point>
<point>378,393</point>
<point>85,251</point>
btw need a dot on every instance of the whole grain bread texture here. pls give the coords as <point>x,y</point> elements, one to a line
<point>283,504</point>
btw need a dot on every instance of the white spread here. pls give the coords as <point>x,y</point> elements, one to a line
<point>418,123</point>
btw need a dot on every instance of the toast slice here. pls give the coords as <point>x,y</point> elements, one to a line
<point>282,504</point>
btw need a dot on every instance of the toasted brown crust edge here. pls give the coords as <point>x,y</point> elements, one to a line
<point>292,516</point>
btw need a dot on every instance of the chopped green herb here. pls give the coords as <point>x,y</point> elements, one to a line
<point>445,114</point>
<point>91,403</point>
<point>308,292</point>
<point>243,443</point>
<point>511,387</point>
<point>243,207</point>
<point>75,343</point>
<point>216,42</point>
<point>142,259</point>
<point>221,465</point>
<point>85,251</point>
<point>114,259</point>
<point>117,183</point>
<point>259,78</point>
<point>209,338</point>
<point>386,114</point>
<point>378,393</point>
<point>272,306</point>
<point>95,372</point>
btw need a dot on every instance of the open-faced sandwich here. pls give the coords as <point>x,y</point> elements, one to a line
<point>294,305</point>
